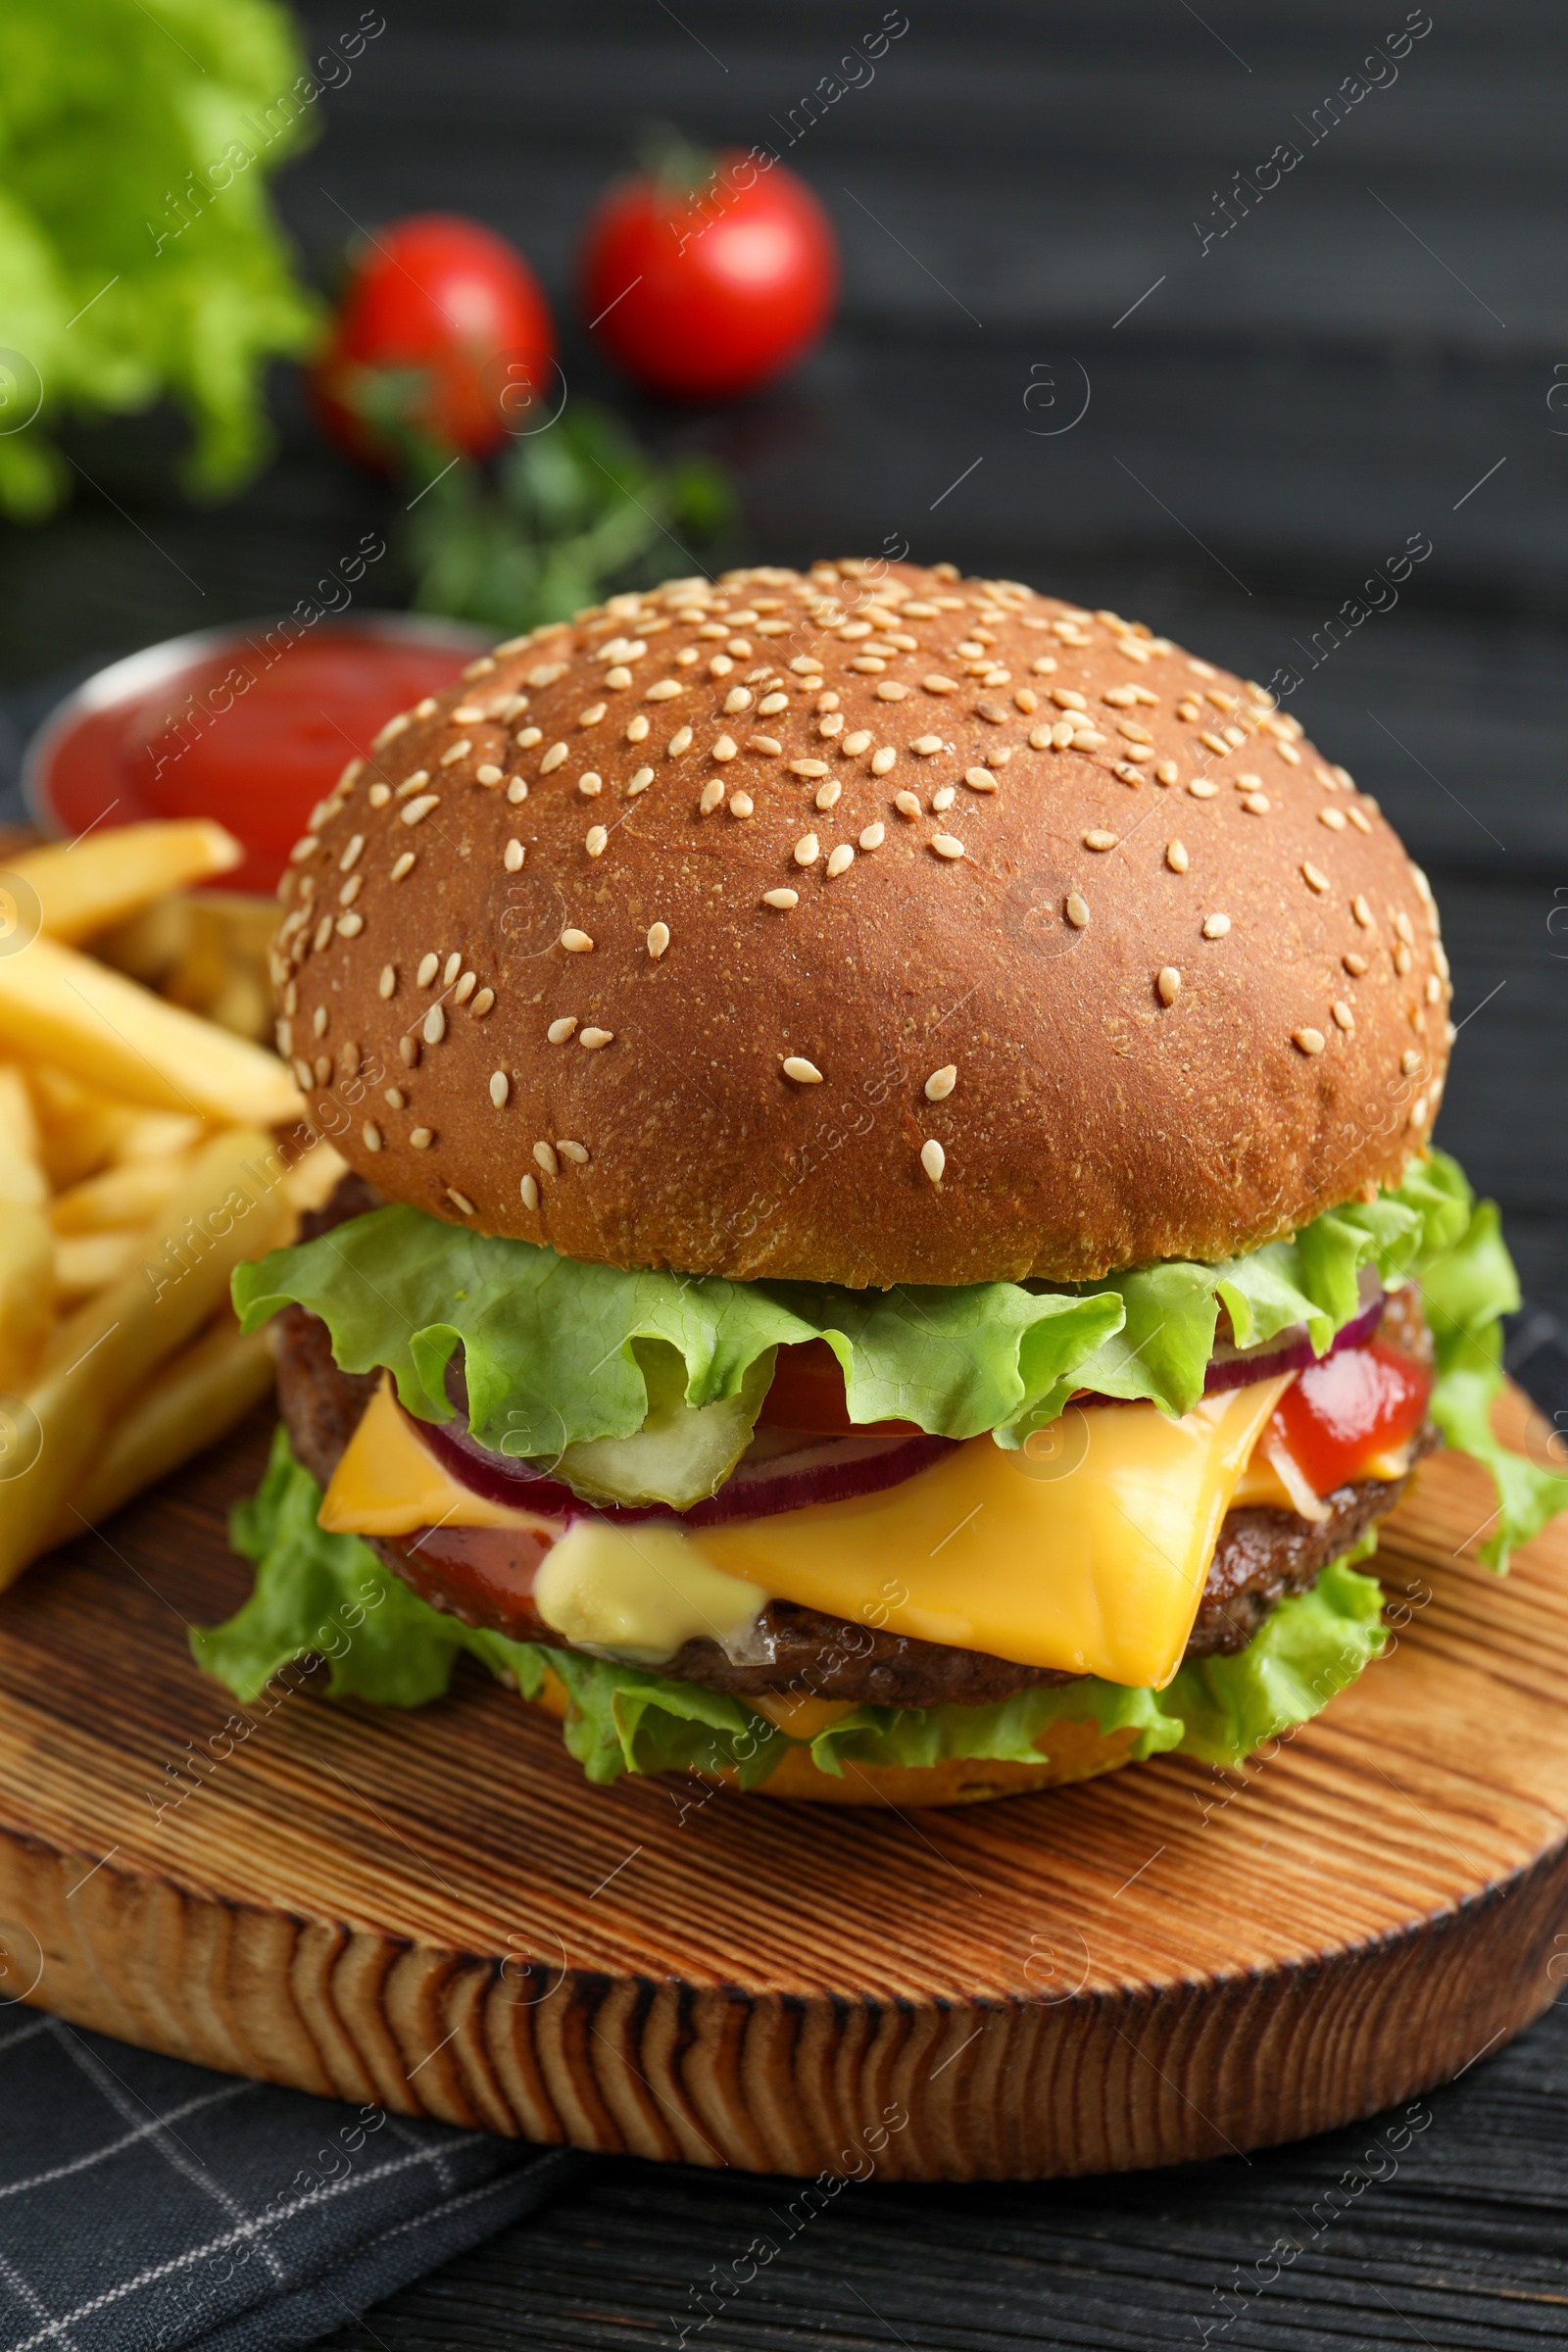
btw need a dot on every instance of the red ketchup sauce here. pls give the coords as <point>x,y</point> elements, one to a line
<point>253,728</point>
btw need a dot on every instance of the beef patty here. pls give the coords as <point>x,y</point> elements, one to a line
<point>1261,1557</point>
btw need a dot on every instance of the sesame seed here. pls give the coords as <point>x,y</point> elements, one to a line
<point>858,742</point>
<point>349,926</point>
<point>378,795</point>
<point>739,698</point>
<point>618,678</point>
<point>500,1087</point>
<point>1313,876</point>
<point>1216,744</point>
<point>840,859</point>
<point>1168,982</point>
<point>545,1155</point>
<point>1362,912</point>
<point>395,1099</point>
<point>726,748</point>
<point>596,841</point>
<point>657,940</point>
<point>319,1021</point>
<point>711,798</point>
<point>1360,820</point>
<point>874,836</point>
<point>1308,1041</point>
<point>482,1003</point>
<point>1256,803</point>
<point>1076,911</point>
<point>590,784</point>
<point>429,966</point>
<point>422,1138</point>
<point>1099,840</point>
<point>559,1031</point>
<point>1202,789</point>
<point>592,716</point>
<point>1344,1017</point>
<point>741,804</point>
<point>768,746</point>
<point>1333,818</point>
<point>553,759</point>
<point>679,743</point>
<point>827,794</point>
<point>640,782</point>
<point>388,980</point>
<point>941,1083</point>
<point>577,1153</point>
<point>527,737</point>
<point>1418,1111</point>
<point>946,846</point>
<point>350,854</point>
<point>1433,989</point>
<point>436,1025</point>
<point>516,790</point>
<point>933,1158</point>
<point>459,1201</point>
<point>889,690</point>
<point>322,934</point>
<point>782,898</point>
<point>1356,966</point>
<point>1404,928</point>
<point>456,751</point>
<point>575,942</point>
<point>944,798</point>
<point>1026,699</point>
<point>980,779</point>
<point>883,760</point>
<point>1068,698</point>
<point>370,1135</point>
<point>427,708</point>
<point>1176,856</point>
<point>936,683</point>
<point>637,729</point>
<point>807,850</point>
<point>663,690</point>
<point>489,773</point>
<point>808,768</point>
<point>529,1189</point>
<point>409,1050</point>
<point>513,856</point>
<point>927,745</point>
<point>1401,956</point>
<point>451,969</point>
<point>908,803</point>
<point>804,1072</point>
<point>1216,926</point>
<point>464,988</point>
<point>593,1039</point>
<point>417,810</point>
<point>772,704</point>
<point>833,724</point>
<point>1166,771</point>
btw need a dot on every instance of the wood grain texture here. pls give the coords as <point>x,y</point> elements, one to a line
<point>436,1911</point>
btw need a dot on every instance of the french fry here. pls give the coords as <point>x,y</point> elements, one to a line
<point>117,873</point>
<point>130,1194</point>
<point>191,1403</point>
<point>26,1293</point>
<point>60,1006</point>
<point>77,1129</point>
<point>231,1206</point>
<point>313,1180</point>
<point>85,1262</point>
<point>154,1135</point>
<point>21,1176</point>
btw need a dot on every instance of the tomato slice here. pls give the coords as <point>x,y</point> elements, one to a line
<point>808,1395</point>
<point>1345,1411</point>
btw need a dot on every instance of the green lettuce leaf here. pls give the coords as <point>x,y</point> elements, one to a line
<point>1467,1284</point>
<point>328,1595</point>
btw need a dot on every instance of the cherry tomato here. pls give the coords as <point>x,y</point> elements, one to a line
<point>1349,1409</point>
<point>449,300</point>
<point>807,1393</point>
<point>707,292</point>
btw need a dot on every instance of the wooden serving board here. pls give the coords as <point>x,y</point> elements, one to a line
<point>436,1911</point>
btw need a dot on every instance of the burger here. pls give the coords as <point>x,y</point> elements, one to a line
<point>891,1249</point>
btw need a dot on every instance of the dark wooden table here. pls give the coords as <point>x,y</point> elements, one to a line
<point>1366,357</point>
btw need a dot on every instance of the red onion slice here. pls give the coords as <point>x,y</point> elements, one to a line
<point>822,1470</point>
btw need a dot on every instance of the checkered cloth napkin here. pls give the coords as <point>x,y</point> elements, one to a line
<point>147,2206</point>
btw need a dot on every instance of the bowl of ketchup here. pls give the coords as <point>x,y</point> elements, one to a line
<point>251,724</point>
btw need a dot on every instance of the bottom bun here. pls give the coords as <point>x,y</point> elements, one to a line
<point>1069,1751</point>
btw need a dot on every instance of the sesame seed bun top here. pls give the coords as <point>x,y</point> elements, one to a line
<point>870,925</point>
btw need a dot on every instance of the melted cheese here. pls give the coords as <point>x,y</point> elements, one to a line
<point>1092,1560</point>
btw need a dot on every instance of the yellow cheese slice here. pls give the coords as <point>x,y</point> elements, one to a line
<point>1096,1567</point>
<point>1091,1557</point>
